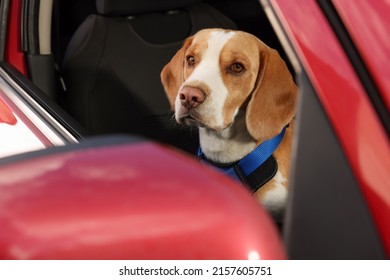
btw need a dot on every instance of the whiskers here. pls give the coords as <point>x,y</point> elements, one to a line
<point>192,130</point>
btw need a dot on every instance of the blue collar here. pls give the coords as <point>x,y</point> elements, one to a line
<point>250,162</point>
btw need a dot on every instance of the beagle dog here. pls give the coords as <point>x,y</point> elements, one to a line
<point>241,95</point>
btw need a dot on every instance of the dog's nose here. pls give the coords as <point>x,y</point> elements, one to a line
<point>191,97</point>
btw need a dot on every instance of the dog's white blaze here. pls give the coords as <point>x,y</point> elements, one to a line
<point>275,199</point>
<point>208,71</point>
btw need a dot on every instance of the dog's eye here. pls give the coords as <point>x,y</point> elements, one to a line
<point>236,68</point>
<point>190,60</point>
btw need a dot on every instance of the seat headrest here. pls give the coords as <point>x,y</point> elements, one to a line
<point>133,7</point>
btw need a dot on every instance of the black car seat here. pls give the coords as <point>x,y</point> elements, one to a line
<point>113,62</point>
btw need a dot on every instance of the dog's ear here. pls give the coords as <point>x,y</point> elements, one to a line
<point>172,75</point>
<point>272,103</point>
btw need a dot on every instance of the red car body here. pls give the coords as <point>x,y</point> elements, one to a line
<point>131,199</point>
<point>356,124</point>
<point>14,55</point>
<point>128,201</point>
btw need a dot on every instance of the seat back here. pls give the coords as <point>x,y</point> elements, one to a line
<point>113,62</point>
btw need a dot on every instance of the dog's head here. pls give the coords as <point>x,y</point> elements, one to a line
<point>219,72</point>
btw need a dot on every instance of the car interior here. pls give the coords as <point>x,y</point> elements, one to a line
<point>100,61</point>
<point>108,56</point>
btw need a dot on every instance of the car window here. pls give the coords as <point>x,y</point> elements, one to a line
<point>16,136</point>
<point>28,118</point>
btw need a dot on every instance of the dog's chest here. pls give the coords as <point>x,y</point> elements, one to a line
<point>228,145</point>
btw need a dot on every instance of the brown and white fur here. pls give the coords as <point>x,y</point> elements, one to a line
<point>239,92</point>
